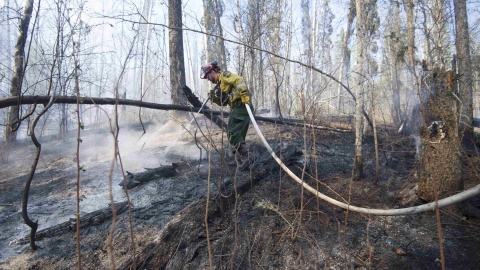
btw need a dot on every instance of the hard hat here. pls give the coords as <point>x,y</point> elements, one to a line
<point>208,68</point>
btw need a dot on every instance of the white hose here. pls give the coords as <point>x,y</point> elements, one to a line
<point>381,212</point>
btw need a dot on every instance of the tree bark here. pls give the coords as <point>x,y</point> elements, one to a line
<point>136,179</point>
<point>359,92</point>
<point>177,66</point>
<point>18,73</point>
<point>344,66</point>
<point>86,220</point>
<point>410,33</point>
<point>465,71</point>
<point>441,160</point>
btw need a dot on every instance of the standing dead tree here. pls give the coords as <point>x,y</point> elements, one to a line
<point>441,162</point>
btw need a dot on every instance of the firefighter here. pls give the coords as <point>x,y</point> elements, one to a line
<point>231,90</point>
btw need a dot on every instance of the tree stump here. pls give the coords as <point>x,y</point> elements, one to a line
<point>441,145</point>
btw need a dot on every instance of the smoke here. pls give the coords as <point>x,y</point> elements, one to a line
<point>418,143</point>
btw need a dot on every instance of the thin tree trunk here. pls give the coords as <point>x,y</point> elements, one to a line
<point>145,53</point>
<point>18,73</point>
<point>465,71</point>
<point>241,49</point>
<point>220,42</point>
<point>190,63</point>
<point>359,92</point>
<point>410,33</point>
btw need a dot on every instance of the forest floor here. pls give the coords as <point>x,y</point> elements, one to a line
<point>268,222</point>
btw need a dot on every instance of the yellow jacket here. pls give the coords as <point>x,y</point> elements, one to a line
<point>233,85</point>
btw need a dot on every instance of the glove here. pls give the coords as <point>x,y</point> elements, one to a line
<point>211,94</point>
<point>245,99</point>
<point>213,97</point>
<point>244,95</point>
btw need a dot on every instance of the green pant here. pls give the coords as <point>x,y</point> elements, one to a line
<point>237,124</point>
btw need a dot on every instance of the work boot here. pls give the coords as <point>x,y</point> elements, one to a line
<point>245,158</point>
<point>240,155</point>
<point>243,150</point>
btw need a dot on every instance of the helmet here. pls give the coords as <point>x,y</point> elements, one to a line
<point>208,68</point>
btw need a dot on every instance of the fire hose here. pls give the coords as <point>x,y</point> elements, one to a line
<point>462,196</point>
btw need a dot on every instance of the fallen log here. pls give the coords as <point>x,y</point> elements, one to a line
<point>13,101</point>
<point>86,220</point>
<point>136,179</point>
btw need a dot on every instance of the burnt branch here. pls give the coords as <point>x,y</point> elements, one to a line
<point>28,221</point>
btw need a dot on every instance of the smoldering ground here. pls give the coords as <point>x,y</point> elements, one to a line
<point>52,197</point>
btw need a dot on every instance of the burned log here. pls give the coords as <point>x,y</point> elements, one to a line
<point>441,158</point>
<point>136,179</point>
<point>90,219</point>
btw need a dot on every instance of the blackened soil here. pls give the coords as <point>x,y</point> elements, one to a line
<point>269,222</point>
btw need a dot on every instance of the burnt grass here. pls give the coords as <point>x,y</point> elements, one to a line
<point>266,222</point>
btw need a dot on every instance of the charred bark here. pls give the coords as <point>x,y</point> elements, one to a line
<point>137,179</point>
<point>90,219</point>
<point>177,65</point>
<point>441,158</point>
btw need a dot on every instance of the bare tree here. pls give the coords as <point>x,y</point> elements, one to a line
<point>18,74</point>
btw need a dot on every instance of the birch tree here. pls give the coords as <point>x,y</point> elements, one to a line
<point>360,28</point>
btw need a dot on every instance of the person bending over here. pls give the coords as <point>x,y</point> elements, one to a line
<point>231,90</point>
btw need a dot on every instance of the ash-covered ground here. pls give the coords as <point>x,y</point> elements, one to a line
<point>269,224</point>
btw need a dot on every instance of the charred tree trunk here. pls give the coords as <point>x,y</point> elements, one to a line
<point>441,157</point>
<point>177,66</point>
<point>137,179</point>
<point>86,220</point>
